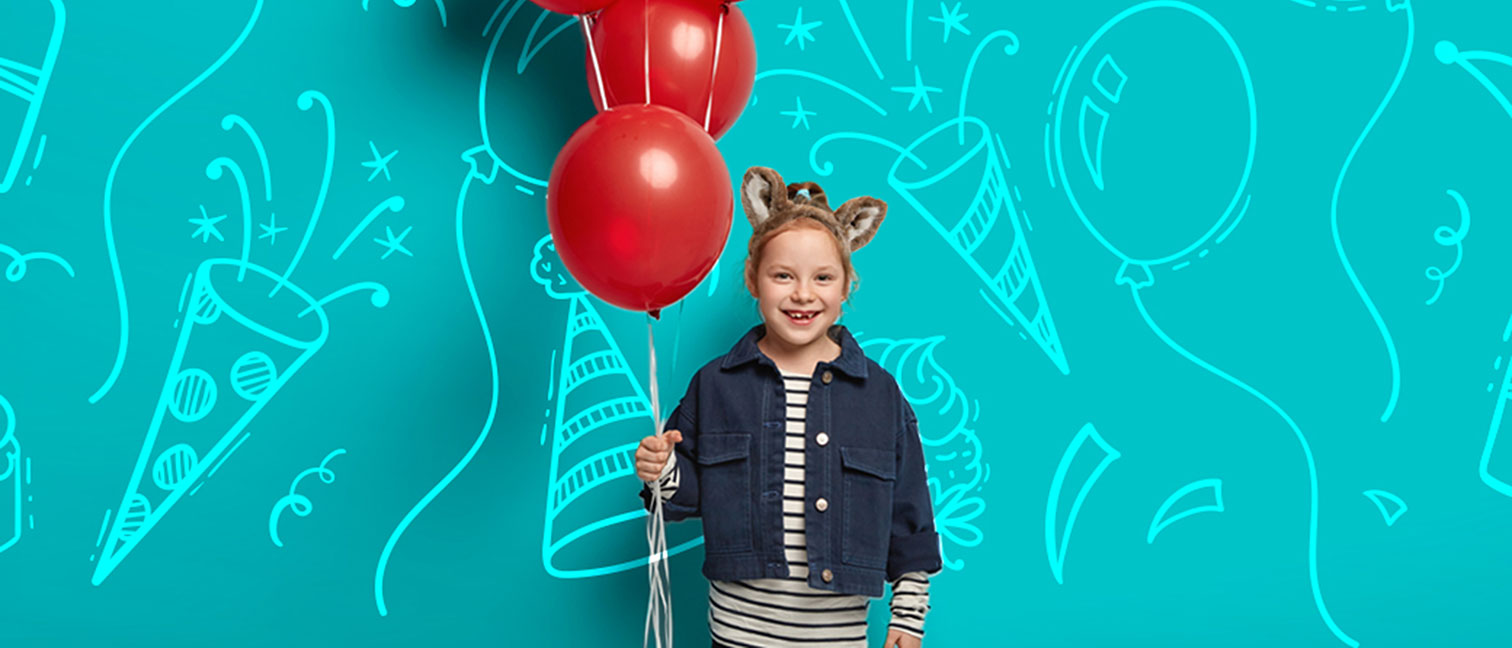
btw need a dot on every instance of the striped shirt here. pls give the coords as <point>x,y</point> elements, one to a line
<point>787,612</point>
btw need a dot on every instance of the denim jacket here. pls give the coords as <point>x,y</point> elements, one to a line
<point>863,459</point>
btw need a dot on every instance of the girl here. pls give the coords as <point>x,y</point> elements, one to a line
<point>800,454</point>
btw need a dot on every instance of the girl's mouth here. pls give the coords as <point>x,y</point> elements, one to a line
<point>801,318</point>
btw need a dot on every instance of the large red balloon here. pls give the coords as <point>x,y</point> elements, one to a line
<point>639,206</point>
<point>573,7</point>
<point>683,34</point>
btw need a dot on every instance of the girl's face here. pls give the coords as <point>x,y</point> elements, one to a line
<point>800,286</point>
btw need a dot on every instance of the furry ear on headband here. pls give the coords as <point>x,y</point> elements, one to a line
<point>762,193</point>
<point>859,219</point>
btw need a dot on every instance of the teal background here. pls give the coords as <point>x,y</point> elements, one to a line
<point>407,390</point>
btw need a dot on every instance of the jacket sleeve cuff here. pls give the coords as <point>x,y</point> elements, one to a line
<point>917,552</point>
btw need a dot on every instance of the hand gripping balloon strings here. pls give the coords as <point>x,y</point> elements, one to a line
<point>660,605</point>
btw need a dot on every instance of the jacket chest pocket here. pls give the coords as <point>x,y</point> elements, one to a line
<point>869,474</point>
<point>724,482</point>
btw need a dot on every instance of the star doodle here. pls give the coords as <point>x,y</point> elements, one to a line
<point>379,164</point>
<point>799,115</point>
<point>394,244</point>
<point>951,20</point>
<point>919,92</point>
<point>800,30</point>
<point>271,230</point>
<point>206,226</point>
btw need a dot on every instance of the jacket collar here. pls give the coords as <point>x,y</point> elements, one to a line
<point>852,360</point>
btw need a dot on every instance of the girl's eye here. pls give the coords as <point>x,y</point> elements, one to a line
<point>782,275</point>
<point>826,277</point>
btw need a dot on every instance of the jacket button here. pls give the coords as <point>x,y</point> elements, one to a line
<point>827,377</point>
<point>827,575</point>
<point>822,504</point>
<point>821,439</point>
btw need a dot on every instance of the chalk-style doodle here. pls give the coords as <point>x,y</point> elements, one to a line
<point>1333,213</point>
<point>1087,448</point>
<point>1102,85</point>
<point>600,414</point>
<point>1009,49</point>
<point>1201,496</point>
<point>271,230</point>
<point>236,121</point>
<point>804,74</point>
<point>115,165</point>
<point>15,270</point>
<point>440,7</point>
<point>799,115</point>
<point>301,505</point>
<point>1449,54</point>
<point>26,69</point>
<point>908,18</point>
<point>379,163</point>
<point>1495,472</point>
<point>206,226</point>
<point>850,18</point>
<point>11,479</point>
<point>393,204</point>
<point>951,20</point>
<point>1449,237</point>
<point>1348,6</point>
<point>965,197</point>
<point>953,449</point>
<point>799,30</point>
<point>534,42</point>
<point>392,244</point>
<point>242,339</point>
<point>1390,506</point>
<point>918,92</point>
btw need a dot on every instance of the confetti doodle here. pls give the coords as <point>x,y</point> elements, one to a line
<point>392,244</point>
<point>15,270</point>
<point>1390,506</point>
<point>917,92</point>
<point>951,20</point>
<point>1087,446</point>
<point>1449,237</point>
<point>1202,489</point>
<point>1333,217</point>
<point>24,76</point>
<point>301,505</point>
<point>800,31</point>
<point>379,163</point>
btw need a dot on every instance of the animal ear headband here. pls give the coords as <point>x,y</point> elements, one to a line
<point>770,203</point>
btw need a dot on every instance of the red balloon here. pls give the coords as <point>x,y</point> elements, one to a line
<point>683,34</point>
<point>573,7</point>
<point>639,206</point>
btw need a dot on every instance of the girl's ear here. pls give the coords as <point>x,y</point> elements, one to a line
<point>762,192</point>
<point>859,219</point>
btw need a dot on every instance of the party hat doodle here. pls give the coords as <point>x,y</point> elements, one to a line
<point>245,333</point>
<point>600,415</point>
<point>983,226</point>
<point>30,34</point>
<point>953,452</point>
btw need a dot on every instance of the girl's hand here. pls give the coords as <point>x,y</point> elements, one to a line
<point>652,455</point>
<point>900,639</point>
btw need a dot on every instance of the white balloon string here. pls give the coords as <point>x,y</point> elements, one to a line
<point>659,606</point>
<point>714,69</point>
<point>646,44</point>
<point>598,74</point>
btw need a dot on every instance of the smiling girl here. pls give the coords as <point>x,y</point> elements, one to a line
<point>799,453</point>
